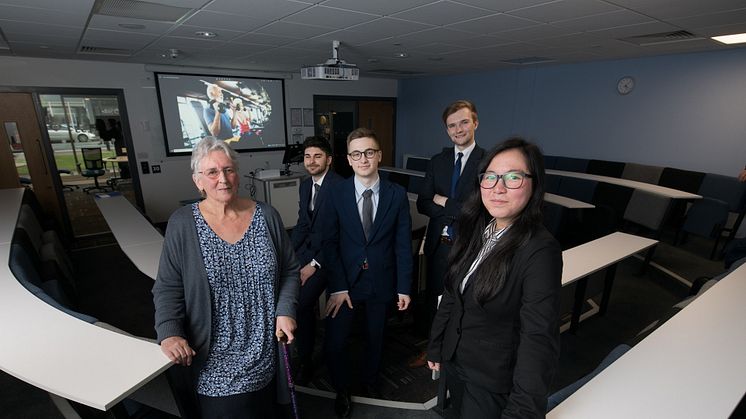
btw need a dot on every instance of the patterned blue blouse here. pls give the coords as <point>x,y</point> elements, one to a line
<point>241,276</point>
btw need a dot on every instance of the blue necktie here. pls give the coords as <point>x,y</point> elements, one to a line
<point>456,174</point>
<point>454,181</point>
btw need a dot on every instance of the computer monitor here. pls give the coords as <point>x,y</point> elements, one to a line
<point>293,154</point>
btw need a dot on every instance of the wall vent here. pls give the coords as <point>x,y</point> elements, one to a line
<point>104,51</point>
<point>662,38</point>
<point>135,9</point>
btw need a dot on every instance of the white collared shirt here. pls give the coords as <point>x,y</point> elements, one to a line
<point>359,189</point>
<point>491,236</point>
<point>466,153</point>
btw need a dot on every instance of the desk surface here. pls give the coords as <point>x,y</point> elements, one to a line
<point>59,353</point>
<point>647,187</point>
<point>139,240</point>
<point>690,367</point>
<point>583,260</point>
<point>117,159</point>
<point>566,202</point>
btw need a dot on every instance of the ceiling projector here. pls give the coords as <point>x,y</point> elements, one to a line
<point>332,69</point>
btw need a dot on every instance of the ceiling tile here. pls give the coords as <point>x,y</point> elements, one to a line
<point>227,21</point>
<point>712,19</point>
<point>179,42</point>
<point>264,39</point>
<point>257,9</point>
<point>114,39</point>
<point>379,7</point>
<point>442,13</point>
<point>329,17</point>
<point>435,35</point>
<point>481,41</point>
<point>671,9</point>
<point>44,38</point>
<point>436,48</point>
<point>187,31</point>
<point>535,32</point>
<point>501,5</point>
<point>636,30</point>
<point>493,23</point>
<point>45,16</point>
<point>113,23</point>
<point>292,30</point>
<point>387,27</point>
<point>10,27</point>
<point>603,21</point>
<point>346,37</point>
<point>564,9</point>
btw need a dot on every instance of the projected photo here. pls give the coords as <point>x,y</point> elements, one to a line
<point>246,113</point>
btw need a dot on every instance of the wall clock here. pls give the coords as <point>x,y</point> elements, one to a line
<point>625,85</point>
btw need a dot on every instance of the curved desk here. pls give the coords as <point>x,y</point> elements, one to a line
<point>139,240</point>
<point>690,367</point>
<point>59,353</point>
<point>647,187</point>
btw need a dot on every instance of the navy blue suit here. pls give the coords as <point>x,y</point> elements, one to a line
<point>307,241</point>
<point>388,253</point>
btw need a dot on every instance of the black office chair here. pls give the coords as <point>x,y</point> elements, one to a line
<point>94,167</point>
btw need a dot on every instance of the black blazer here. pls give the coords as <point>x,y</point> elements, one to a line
<point>438,181</point>
<point>511,344</point>
<point>388,250</point>
<point>307,234</point>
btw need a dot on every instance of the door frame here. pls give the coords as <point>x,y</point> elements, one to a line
<point>357,100</point>
<point>82,91</point>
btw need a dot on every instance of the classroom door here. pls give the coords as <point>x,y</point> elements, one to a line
<point>379,116</point>
<point>28,157</point>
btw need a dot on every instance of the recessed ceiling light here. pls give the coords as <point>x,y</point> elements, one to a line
<point>736,38</point>
<point>43,47</point>
<point>401,54</point>
<point>135,26</point>
<point>206,34</point>
<point>372,60</point>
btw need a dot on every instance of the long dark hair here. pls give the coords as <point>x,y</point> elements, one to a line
<point>491,274</point>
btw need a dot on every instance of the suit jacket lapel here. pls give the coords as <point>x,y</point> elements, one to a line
<point>349,207</point>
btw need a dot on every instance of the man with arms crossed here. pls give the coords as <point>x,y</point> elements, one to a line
<point>450,178</point>
<point>368,248</point>
<point>307,240</point>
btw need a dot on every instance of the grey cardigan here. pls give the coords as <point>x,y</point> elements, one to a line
<point>182,293</point>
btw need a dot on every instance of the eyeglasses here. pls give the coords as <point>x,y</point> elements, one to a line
<point>369,154</point>
<point>215,173</point>
<point>511,180</point>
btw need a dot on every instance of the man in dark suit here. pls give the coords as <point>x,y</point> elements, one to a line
<point>368,246</point>
<point>307,240</point>
<point>450,178</point>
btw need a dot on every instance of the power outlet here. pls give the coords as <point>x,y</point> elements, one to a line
<point>145,167</point>
<point>156,168</point>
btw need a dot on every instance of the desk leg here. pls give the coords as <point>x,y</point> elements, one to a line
<point>580,287</point>
<point>608,285</point>
<point>646,262</point>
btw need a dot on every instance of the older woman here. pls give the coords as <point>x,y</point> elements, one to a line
<point>496,332</point>
<point>227,285</point>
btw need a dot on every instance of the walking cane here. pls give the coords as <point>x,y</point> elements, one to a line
<point>291,385</point>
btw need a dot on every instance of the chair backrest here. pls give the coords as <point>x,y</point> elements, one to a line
<point>683,180</point>
<point>550,162</point>
<point>614,197</point>
<point>416,163</point>
<point>642,173</point>
<point>706,217</point>
<point>571,164</point>
<point>92,158</point>
<point>575,188</point>
<point>605,168</point>
<point>724,188</point>
<point>552,183</point>
<point>646,209</point>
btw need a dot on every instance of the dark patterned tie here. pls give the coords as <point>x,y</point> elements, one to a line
<point>367,212</point>
<point>316,188</point>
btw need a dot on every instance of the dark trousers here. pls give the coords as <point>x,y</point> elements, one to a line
<point>437,267</point>
<point>306,316</point>
<point>258,404</point>
<point>470,401</point>
<point>337,332</point>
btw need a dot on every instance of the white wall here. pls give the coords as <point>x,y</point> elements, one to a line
<point>162,192</point>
